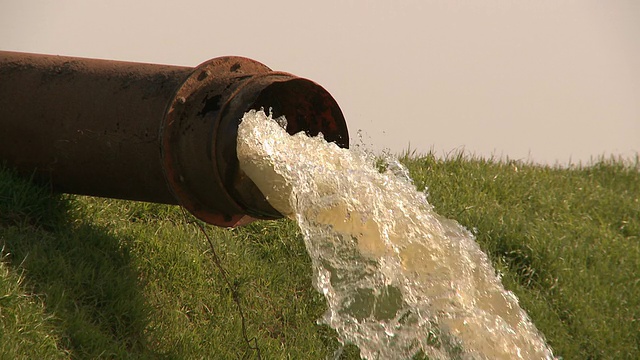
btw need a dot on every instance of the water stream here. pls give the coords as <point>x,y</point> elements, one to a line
<point>398,277</point>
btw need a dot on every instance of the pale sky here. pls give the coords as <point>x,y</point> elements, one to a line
<point>545,80</point>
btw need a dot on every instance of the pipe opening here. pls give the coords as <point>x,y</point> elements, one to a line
<point>307,107</point>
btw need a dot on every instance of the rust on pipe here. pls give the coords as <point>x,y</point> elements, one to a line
<point>150,132</point>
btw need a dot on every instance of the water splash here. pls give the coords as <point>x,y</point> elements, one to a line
<point>398,278</point>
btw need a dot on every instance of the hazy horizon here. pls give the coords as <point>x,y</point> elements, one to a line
<point>543,81</point>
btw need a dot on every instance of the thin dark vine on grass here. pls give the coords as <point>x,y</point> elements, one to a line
<point>252,343</point>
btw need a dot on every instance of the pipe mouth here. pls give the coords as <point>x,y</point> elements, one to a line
<point>198,136</point>
<point>307,107</point>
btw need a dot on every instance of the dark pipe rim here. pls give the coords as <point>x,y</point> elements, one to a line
<point>199,135</point>
<point>307,107</point>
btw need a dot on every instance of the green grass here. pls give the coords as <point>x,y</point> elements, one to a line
<point>85,278</point>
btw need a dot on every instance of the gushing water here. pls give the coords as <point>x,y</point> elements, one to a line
<point>398,277</point>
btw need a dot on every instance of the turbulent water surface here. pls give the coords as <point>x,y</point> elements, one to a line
<point>398,278</point>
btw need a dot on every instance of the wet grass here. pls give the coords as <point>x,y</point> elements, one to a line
<point>85,278</point>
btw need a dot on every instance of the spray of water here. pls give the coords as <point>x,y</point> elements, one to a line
<point>398,278</point>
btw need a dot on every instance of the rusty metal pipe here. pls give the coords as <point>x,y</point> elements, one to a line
<point>151,132</point>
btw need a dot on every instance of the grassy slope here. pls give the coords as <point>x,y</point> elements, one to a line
<point>85,277</point>
<point>567,242</point>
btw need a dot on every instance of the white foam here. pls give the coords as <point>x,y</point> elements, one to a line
<point>398,277</point>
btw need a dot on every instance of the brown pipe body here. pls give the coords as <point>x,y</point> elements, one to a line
<point>150,132</point>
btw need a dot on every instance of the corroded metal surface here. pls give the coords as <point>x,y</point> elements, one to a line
<point>150,132</point>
